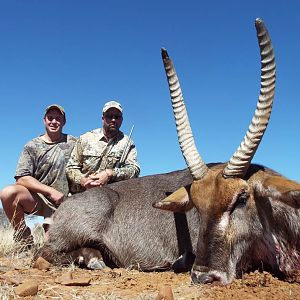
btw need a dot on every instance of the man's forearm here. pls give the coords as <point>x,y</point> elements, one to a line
<point>74,175</point>
<point>126,172</point>
<point>75,178</point>
<point>34,185</point>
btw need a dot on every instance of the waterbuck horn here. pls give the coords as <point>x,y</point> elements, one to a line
<point>188,148</point>
<point>241,159</point>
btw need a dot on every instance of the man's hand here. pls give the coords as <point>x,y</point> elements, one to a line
<point>56,197</point>
<point>96,179</point>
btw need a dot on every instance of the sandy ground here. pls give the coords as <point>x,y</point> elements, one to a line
<point>76,283</point>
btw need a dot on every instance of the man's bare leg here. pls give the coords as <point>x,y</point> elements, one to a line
<point>16,200</point>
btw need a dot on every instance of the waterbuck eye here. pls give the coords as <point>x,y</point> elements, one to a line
<point>240,202</point>
<point>242,199</point>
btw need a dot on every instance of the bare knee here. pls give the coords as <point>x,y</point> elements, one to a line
<point>17,196</point>
<point>8,194</point>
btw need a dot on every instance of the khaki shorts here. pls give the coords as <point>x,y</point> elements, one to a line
<point>44,208</point>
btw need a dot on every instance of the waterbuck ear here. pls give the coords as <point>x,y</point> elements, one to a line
<point>281,189</point>
<point>178,201</point>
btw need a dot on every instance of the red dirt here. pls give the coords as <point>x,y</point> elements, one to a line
<point>125,284</point>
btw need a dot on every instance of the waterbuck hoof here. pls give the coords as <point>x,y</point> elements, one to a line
<point>96,264</point>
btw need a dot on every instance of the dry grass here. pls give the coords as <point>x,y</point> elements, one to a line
<point>13,248</point>
<point>38,235</point>
<point>6,291</point>
<point>7,243</point>
<point>10,240</point>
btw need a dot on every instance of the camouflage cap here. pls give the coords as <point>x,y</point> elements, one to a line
<point>112,104</point>
<point>57,107</point>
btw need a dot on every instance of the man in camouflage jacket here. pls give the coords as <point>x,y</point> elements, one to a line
<point>96,157</point>
<point>41,182</point>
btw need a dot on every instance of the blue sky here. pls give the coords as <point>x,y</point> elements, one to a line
<point>82,53</point>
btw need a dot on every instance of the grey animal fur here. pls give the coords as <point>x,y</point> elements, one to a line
<point>121,223</point>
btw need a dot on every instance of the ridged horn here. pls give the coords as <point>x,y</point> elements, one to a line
<point>241,159</point>
<point>188,148</point>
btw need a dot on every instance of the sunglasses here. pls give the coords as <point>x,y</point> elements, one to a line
<point>111,116</point>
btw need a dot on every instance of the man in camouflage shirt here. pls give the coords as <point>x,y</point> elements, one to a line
<point>41,182</point>
<point>95,159</point>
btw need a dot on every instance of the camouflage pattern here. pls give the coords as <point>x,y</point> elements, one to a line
<point>93,153</point>
<point>46,162</point>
